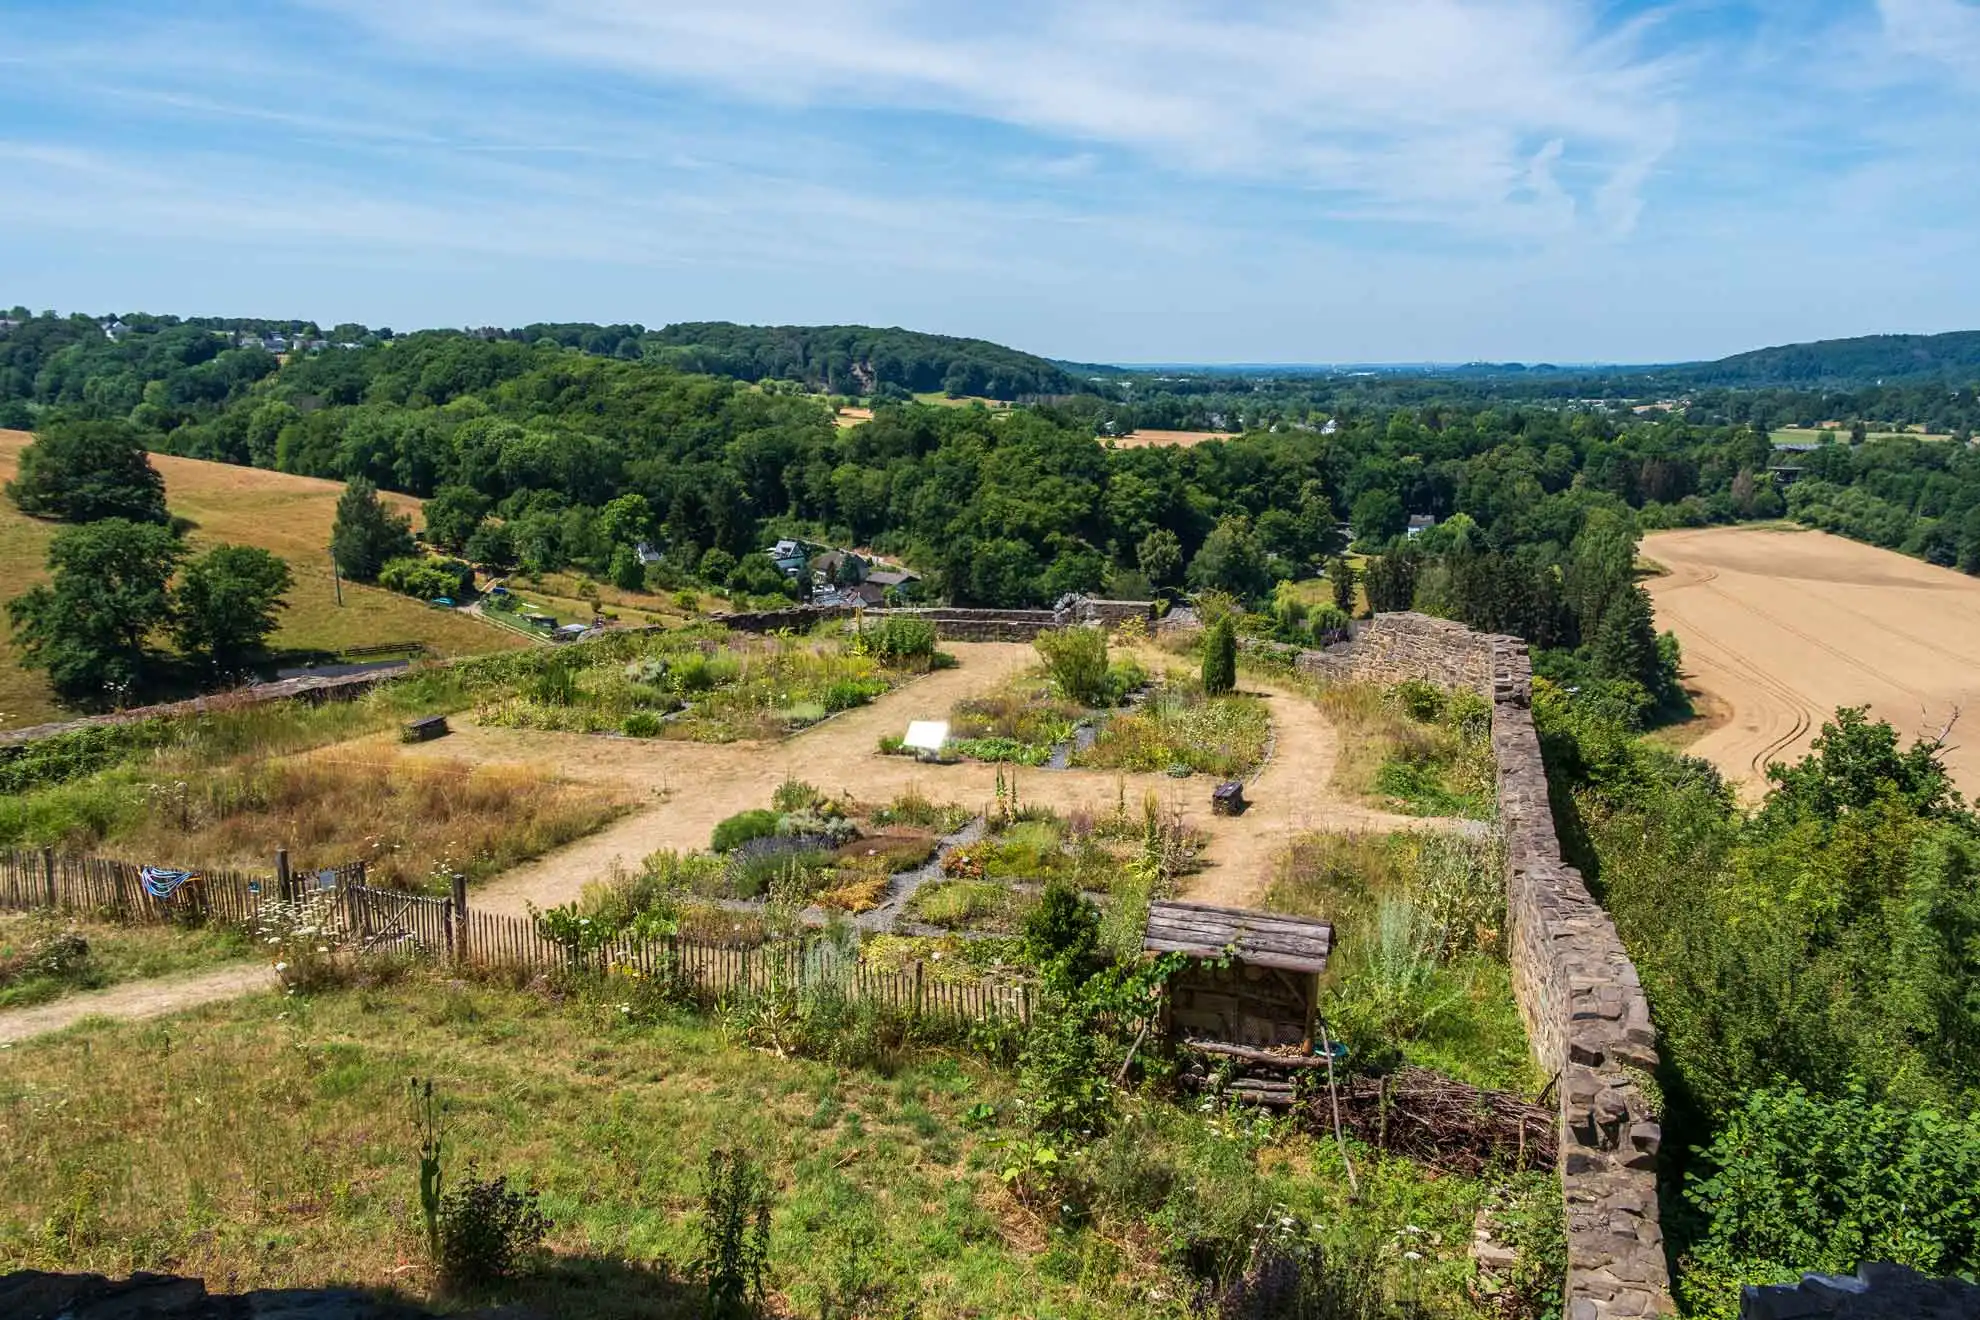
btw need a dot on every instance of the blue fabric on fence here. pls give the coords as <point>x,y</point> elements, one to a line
<point>162,883</point>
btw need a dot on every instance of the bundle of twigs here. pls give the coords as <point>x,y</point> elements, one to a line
<point>1435,1120</point>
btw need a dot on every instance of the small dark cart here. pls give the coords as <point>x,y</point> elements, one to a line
<point>1251,993</point>
<point>1227,799</point>
<point>424,729</point>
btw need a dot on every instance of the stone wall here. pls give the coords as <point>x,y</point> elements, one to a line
<point>1585,1011</point>
<point>1392,647</point>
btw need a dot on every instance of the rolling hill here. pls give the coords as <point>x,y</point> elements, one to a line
<point>247,506</point>
<point>1864,360</point>
<point>857,359</point>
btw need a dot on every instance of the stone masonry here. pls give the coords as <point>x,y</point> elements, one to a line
<point>1584,1008</point>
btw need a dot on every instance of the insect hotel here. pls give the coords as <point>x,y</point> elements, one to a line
<point>1249,997</point>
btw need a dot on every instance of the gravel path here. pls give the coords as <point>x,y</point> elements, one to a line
<point>136,1000</point>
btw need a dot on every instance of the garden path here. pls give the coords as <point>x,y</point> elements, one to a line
<point>697,785</point>
<point>136,999</point>
<point>1292,794</point>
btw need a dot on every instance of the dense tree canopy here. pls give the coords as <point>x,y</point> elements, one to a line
<point>80,471</point>
<point>224,606</point>
<point>88,626</point>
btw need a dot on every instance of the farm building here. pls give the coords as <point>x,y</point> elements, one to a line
<point>1252,989</point>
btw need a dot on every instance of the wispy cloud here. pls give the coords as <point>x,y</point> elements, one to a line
<point>1505,116</point>
<point>1291,179</point>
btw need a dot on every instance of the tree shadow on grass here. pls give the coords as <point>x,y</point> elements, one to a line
<point>577,1287</point>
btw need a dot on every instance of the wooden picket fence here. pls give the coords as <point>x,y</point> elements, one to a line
<point>450,931</point>
<point>114,890</point>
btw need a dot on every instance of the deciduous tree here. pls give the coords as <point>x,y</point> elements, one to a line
<point>87,627</point>
<point>225,603</point>
<point>80,471</point>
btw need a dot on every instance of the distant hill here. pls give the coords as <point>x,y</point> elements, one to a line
<point>1838,362</point>
<point>858,359</point>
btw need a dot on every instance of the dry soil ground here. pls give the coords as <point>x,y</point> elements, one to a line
<point>696,785</point>
<point>1146,437</point>
<point>247,506</point>
<point>1784,626</point>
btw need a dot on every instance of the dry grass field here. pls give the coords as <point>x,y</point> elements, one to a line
<point>288,515</point>
<point>1146,438</point>
<point>1780,627</point>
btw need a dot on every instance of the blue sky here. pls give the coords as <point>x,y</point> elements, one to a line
<point>1102,180</point>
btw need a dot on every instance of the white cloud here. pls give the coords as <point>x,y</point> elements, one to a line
<point>1421,110</point>
<point>1944,31</point>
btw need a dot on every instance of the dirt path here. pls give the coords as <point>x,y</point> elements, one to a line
<point>697,785</point>
<point>137,999</point>
<point>1784,626</point>
<point>1294,794</point>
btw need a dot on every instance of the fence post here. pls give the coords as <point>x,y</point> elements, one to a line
<point>48,873</point>
<point>917,989</point>
<point>283,882</point>
<point>459,918</point>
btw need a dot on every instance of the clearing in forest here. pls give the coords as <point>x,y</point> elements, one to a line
<point>1781,627</point>
<point>1146,438</point>
<point>286,514</point>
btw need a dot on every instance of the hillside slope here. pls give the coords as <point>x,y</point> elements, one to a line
<point>857,359</point>
<point>247,506</point>
<point>1862,360</point>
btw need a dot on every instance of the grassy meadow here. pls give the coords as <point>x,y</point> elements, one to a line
<point>1419,923</point>
<point>288,515</point>
<point>293,1161</point>
<point>228,787</point>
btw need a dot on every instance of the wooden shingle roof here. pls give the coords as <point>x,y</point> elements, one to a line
<point>1262,939</point>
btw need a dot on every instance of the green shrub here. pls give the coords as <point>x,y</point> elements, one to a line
<point>1076,662</point>
<point>899,638</point>
<point>742,827</point>
<point>427,579</point>
<point>735,1234</point>
<point>641,724</point>
<point>487,1230</point>
<point>1008,750</point>
<point>1220,658</point>
<point>1124,675</point>
<point>1062,934</point>
<point>846,693</point>
<point>1422,701</point>
<point>1802,1182</point>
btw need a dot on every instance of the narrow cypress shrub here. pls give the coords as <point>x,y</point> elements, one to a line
<point>1220,658</point>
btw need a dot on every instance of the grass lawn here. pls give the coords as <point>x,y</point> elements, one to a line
<point>1790,435</point>
<point>288,515</point>
<point>116,954</point>
<point>938,399</point>
<point>1419,922</point>
<point>268,1142</point>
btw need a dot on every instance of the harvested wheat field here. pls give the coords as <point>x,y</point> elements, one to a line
<point>1783,626</point>
<point>246,506</point>
<point>1146,438</point>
